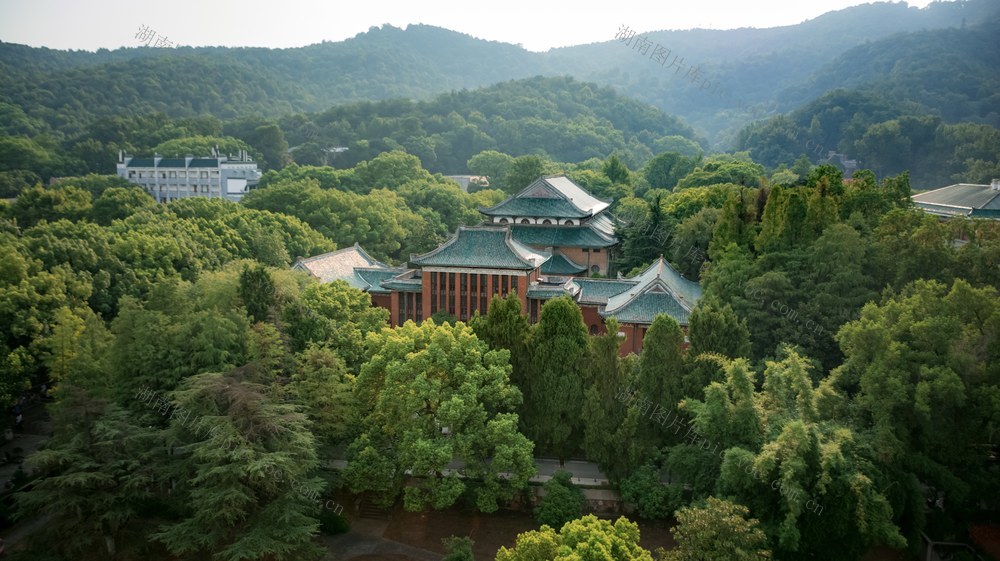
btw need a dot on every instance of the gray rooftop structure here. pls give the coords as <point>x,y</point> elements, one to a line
<point>962,199</point>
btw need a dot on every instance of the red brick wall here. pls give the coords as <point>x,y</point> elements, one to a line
<point>591,319</point>
<point>587,259</point>
<point>385,301</point>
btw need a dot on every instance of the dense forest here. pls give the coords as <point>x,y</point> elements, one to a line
<point>557,118</point>
<point>840,385</point>
<point>837,388</point>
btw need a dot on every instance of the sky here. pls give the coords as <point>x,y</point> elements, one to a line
<point>536,25</point>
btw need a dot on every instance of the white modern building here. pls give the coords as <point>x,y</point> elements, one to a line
<point>168,179</point>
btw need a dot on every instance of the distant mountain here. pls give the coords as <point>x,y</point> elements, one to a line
<point>953,73</point>
<point>562,118</point>
<point>752,65</point>
<point>66,90</point>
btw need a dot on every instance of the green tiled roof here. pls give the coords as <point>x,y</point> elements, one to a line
<point>204,163</point>
<point>140,163</point>
<point>597,291</point>
<point>403,285</point>
<point>658,289</point>
<point>171,163</point>
<point>482,247</point>
<point>370,278</point>
<point>687,290</point>
<point>645,307</point>
<point>535,207</point>
<point>554,196</point>
<point>545,293</point>
<point>561,236</point>
<point>561,265</point>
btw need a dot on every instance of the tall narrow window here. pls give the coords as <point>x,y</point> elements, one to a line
<point>443,299</point>
<point>434,292</point>
<point>483,293</point>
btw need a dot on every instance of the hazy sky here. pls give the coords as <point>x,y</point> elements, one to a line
<point>537,25</point>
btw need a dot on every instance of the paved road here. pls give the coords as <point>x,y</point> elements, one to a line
<point>584,473</point>
<point>365,538</point>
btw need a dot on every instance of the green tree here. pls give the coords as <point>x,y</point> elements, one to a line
<point>720,169</point>
<point>718,531</point>
<point>660,381</point>
<point>715,328</point>
<point>20,153</point>
<point>608,436</point>
<point>428,395</point>
<point>201,146</point>
<point>805,475</point>
<point>119,202</point>
<point>505,327</point>
<point>98,479</point>
<point>257,292</point>
<point>555,389</point>
<point>645,237</point>
<point>663,171</point>
<point>736,224</point>
<point>651,497</point>
<point>458,548</point>
<point>616,171</point>
<point>692,237</point>
<point>922,369</point>
<point>38,203</point>
<point>391,170</point>
<point>270,141</point>
<point>245,487</point>
<point>335,315</point>
<point>322,384</point>
<point>523,171</point>
<point>494,165</point>
<point>580,539</point>
<point>13,182</point>
<point>563,501</point>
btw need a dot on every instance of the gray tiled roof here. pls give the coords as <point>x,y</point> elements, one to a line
<point>339,264</point>
<point>962,199</point>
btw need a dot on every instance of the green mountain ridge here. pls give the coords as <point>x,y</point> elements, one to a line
<point>67,89</point>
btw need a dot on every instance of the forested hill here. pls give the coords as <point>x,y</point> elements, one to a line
<point>559,118</point>
<point>952,72</point>
<point>65,91</point>
<point>927,102</point>
<point>562,118</point>
<point>749,66</point>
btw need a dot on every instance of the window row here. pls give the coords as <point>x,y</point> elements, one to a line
<point>473,290</point>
